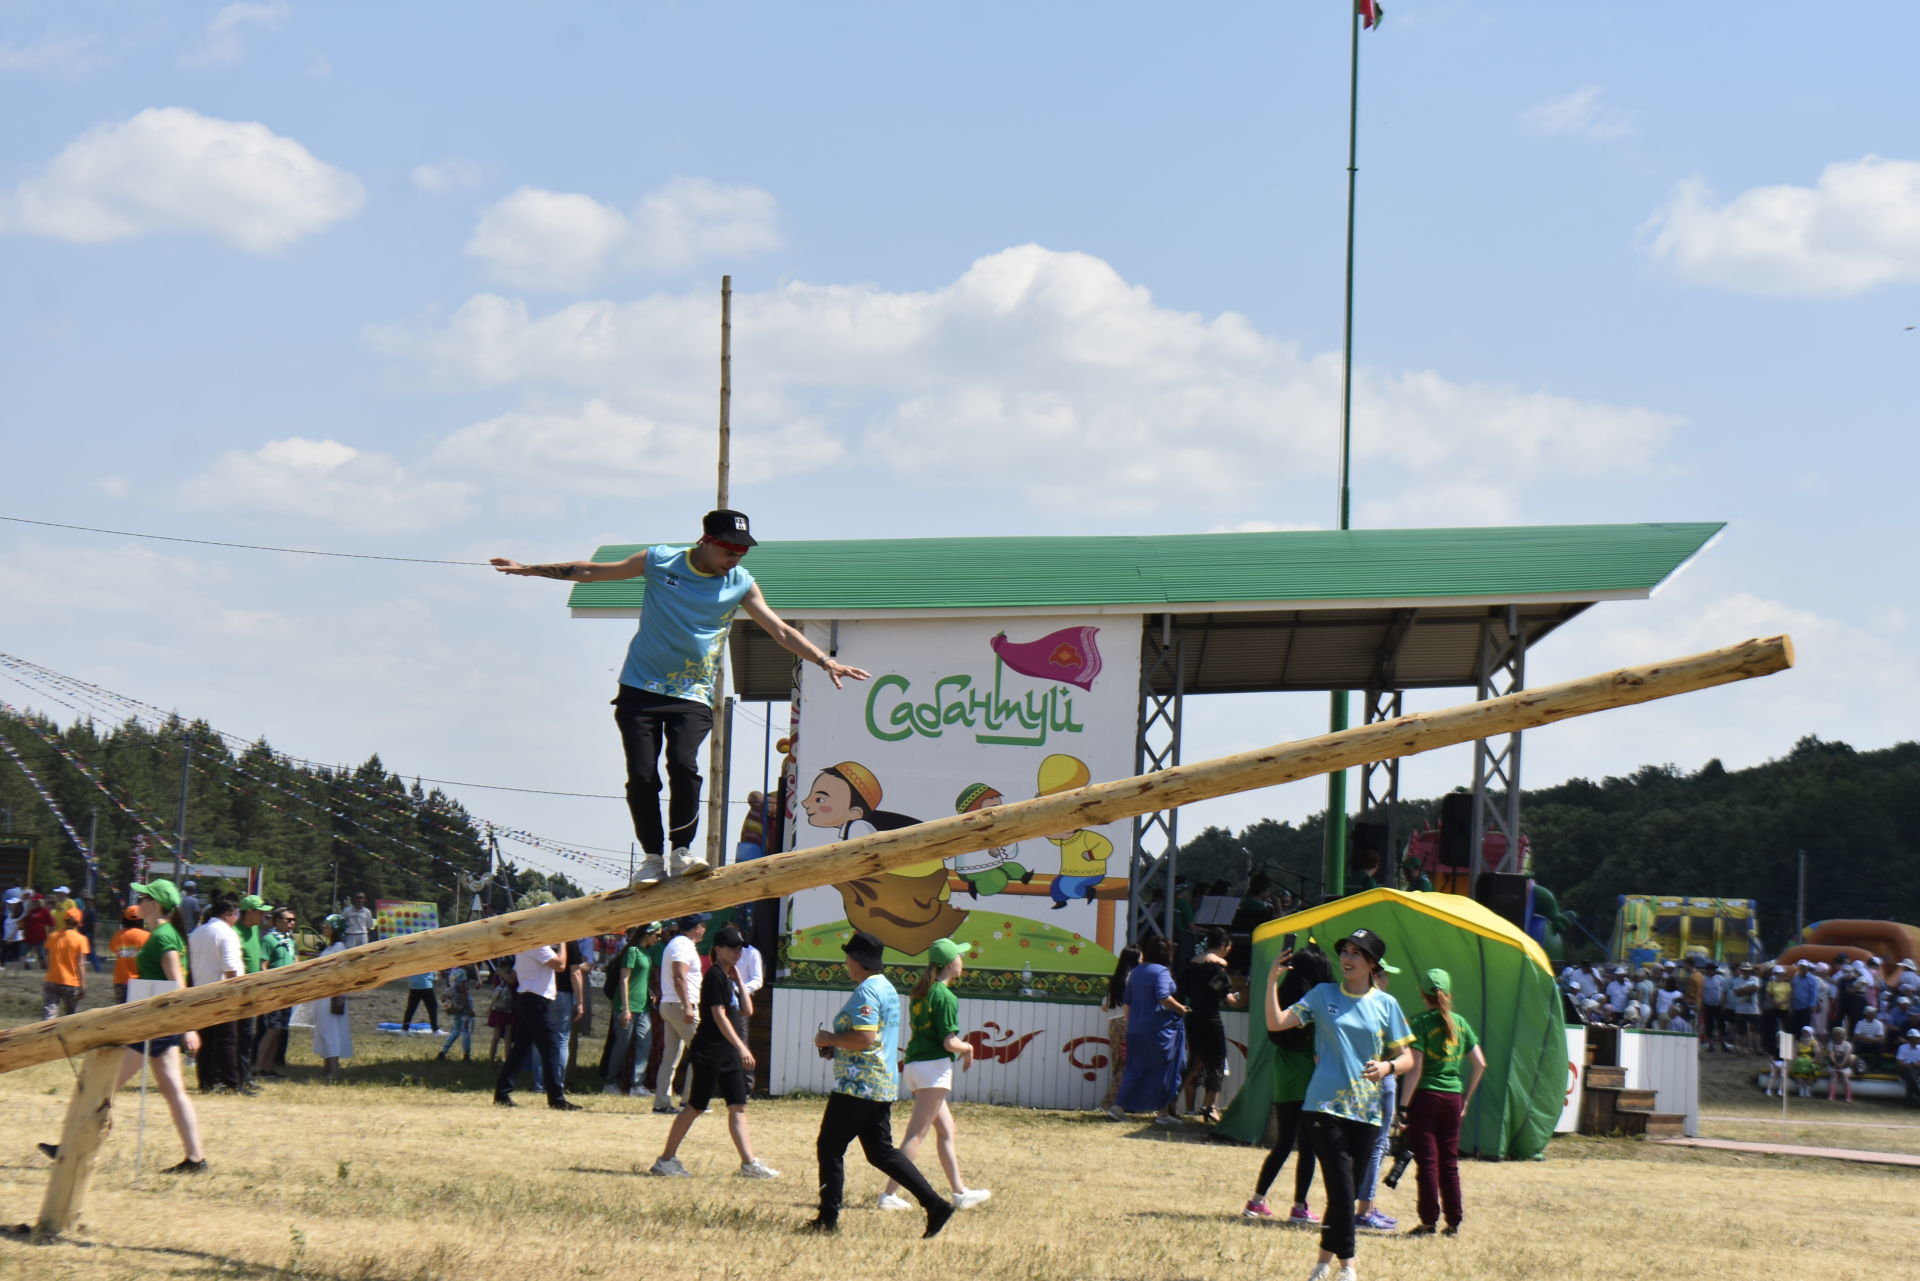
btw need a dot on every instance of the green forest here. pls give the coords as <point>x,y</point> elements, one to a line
<point>309,827</point>
<point>1713,833</point>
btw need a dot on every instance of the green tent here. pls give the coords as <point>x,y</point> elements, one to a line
<point>1501,984</point>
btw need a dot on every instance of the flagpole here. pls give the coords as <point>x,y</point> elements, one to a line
<point>1334,847</point>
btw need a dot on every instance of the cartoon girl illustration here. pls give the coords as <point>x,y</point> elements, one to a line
<point>1083,853</point>
<point>905,908</point>
<point>986,871</point>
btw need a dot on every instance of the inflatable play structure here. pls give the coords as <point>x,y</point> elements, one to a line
<point>1851,940</point>
<point>1667,927</point>
<point>1502,985</point>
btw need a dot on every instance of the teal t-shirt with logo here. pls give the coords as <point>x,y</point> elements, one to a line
<point>684,620</point>
<point>1347,1031</point>
<point>869,1073</point>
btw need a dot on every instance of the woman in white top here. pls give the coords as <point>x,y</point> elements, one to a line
<point>332,1032</point>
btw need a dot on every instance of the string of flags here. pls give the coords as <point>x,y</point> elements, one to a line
<point>46,797</point>
<point>138,817</point>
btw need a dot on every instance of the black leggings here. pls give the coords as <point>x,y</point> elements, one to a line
<point>417,996</point>
<point>1343,1147</point>
<point>1287,1117</point>
<point>647,722</point>
<point>848,1118</point>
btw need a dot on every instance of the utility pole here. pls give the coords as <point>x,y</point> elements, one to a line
<point>717,751</point>
<point>180,822</point>
<point>93,848</point>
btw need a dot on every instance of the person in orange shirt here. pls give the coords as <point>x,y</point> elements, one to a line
<point>126,947</point>
<point>64,986</point>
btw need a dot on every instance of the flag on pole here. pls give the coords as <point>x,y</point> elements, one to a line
<point>1370,13</point>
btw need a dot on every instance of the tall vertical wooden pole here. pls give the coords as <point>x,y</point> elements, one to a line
<point>89,1117</point>
<point>717,750</point>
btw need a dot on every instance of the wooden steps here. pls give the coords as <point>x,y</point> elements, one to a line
<point>1609,1107</point>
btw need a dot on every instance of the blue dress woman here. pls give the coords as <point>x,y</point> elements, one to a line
<point>1156,1038</point>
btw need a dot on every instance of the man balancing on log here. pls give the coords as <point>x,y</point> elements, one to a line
<point>666,687</point>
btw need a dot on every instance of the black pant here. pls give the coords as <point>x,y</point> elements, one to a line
<point>246,1040</point>
<point>531,1028</point>
<point>1287,1115</point>
<point>848,1118</point>
<point>1343,1147</point>
<point>647,721</point>
<point>415,995</point>
<point>218,1063</point>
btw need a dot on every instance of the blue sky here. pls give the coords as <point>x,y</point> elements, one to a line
<point>439,280</point>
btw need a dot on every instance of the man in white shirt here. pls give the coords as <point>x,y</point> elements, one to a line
<point>1619,992</point>
<point>679,1004</point>
<point>213,955</point>
<point>356,923</point>
<point>537,969</point>
<point>1908,1057</point>
<point>1870,1034</point>
<point>1908,982</point>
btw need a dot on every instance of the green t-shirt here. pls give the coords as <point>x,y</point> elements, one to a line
<point>1292,1069</point>
<point>935,1017</point>
<point>164,939</point>
<point>641,964</point>
<point>1441,1070</point>
<point>278,948</point>
<point>250,950</point>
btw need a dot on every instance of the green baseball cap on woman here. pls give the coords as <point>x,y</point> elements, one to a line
<point>161,891</point>
<point>1437,980</point>
<point>944,952</point>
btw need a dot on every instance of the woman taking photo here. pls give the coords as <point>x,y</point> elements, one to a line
<point>1442,1041</point>
<point>160,959</point>
<point>1361,1038</point>
<point>1156,1038</point>
<point>934,1043</point>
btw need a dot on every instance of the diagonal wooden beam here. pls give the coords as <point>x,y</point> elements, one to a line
<point>777,874</point>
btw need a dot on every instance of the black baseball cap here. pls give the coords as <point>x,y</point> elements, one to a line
<point>728,526</point>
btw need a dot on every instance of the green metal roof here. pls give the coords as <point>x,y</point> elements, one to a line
<point>880,578</point>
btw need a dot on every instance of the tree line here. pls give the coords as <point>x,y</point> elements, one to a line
<point>1714,832</point>
<point>310,827</point>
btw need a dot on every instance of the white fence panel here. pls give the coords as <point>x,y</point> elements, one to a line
<point>1667,1062</point>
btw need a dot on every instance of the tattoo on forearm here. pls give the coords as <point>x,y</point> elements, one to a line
<point>554,571</point>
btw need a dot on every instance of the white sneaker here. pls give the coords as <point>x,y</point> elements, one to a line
<point>669,1167</point>
<point>611,1088</point>
<point>1347,1274</point>
<point>651,870</point>
<point>888,1201</point>
<point>1321,1272</point>
<point>757,1169</point>
<point>971,1197</point>
<point>684,862</point>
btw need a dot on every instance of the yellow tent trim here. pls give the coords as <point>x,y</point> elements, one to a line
<point>1454,909</point>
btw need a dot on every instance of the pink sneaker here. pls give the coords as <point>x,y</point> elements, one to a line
<point>1301,1214</point>
<point>1257,1209</point>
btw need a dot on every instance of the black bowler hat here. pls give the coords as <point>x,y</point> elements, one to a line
<point>728,526</point>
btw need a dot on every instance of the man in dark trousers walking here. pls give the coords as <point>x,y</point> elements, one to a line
<point>865,1042</point>
<point>665,697</point>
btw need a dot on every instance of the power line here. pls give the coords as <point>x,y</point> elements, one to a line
<point>250,547</point>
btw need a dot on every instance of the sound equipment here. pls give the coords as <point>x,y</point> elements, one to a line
<point>1508,894</point>
<point>1456,829</point>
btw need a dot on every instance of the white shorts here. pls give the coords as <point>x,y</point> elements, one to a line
<point>928,1074</point>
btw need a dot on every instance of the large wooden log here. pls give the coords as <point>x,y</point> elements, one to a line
<point>1090,806</point>
<point>89,1117</point>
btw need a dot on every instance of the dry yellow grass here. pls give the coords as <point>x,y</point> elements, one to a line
<point>409,1172</point>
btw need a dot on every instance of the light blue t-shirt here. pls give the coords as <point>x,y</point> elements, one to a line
<point>869,1074</point>
<point>1347,1031</point>
<point>421,982</point>
<point>683,625</point>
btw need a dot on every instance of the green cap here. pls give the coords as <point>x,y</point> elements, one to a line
<point>161,891</point>
<point>254,903</point>
<point>1437,980</point>
<point>944,952</point>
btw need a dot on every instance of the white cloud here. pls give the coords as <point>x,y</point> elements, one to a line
<point>1856,229</point>
<point>170,169</point>
<point>538,239</point>
<point>113,486</point>
<point>550,240</point>
<point>693,220</point>
<point>225,42</point>
<point>598,449</point>
<point>329,483</point>
<point>1049,362</point>
<point>450,174</point>
<point>54,55</point>
<point>1580,113</point>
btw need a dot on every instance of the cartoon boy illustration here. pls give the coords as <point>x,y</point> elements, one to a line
<point>986,871</point>
<point>1083,853</point>
<point>905,908</point>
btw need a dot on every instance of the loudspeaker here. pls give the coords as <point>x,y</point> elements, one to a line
<point>1456,829</point>
<point>1369,836</point>
<point>1508,894</point>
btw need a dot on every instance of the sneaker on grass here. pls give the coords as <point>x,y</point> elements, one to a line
<point>1257,1209</point>
<point>967,1198</point>
<point>888,1201</point>
<point>1301,1214</point>
<point>669,1167</point>
<point>757,1169</point>
<point>1374,1221</point>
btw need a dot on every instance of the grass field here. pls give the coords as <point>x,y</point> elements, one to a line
<point>408,1171</point>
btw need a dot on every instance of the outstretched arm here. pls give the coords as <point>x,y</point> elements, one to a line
<point>577,571</point>
<point>790,638</point>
